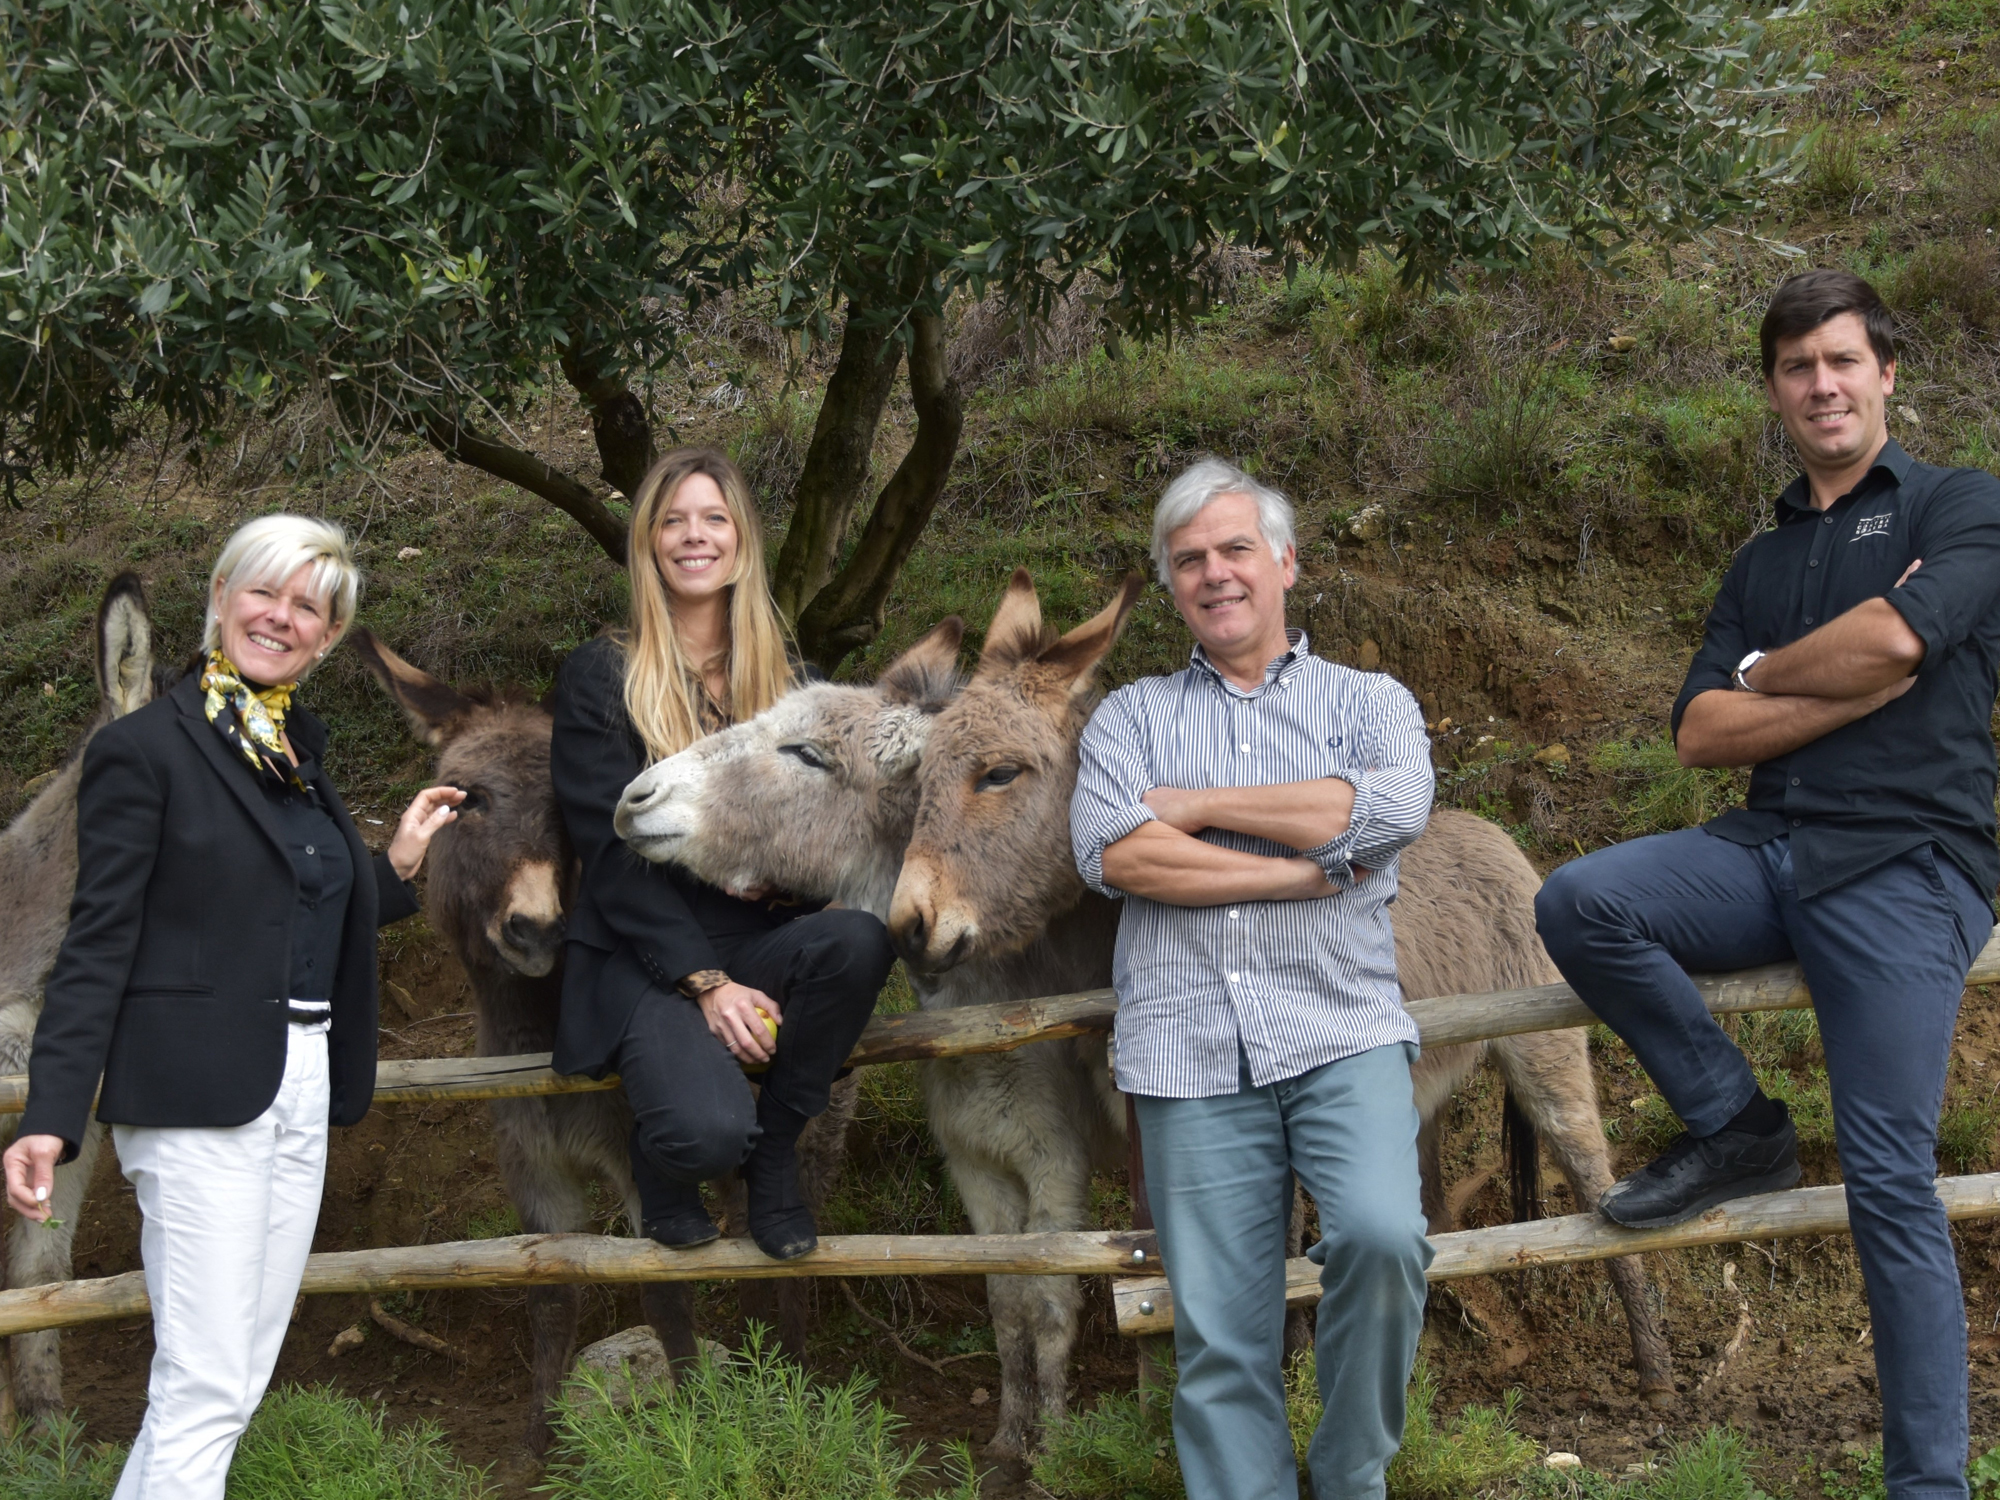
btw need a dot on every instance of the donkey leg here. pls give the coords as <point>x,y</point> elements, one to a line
<point>548,1194</point>
<point>997,1203</point>
<point>36,1256</point>
<point>1549,1073</point>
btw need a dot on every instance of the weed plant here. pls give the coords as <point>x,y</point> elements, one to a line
<point>303,1444</point>
<point>1713,1466</point>
<point>1122,1448</point>
<point>755,1428</point>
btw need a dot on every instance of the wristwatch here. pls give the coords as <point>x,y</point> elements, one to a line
<point>1743,666</point>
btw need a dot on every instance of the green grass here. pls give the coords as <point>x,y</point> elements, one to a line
<point>1657,794</point>
<point>1714,1466</point>
<point>755,1428</point>
<point>1123,1449</point>
<point>303,1444</point>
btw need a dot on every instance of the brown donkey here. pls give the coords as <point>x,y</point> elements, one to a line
<point>37,879</point>
<point>500,877</point>
<point>988,870</point>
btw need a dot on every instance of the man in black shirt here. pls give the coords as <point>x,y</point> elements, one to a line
<point>1850,657</point>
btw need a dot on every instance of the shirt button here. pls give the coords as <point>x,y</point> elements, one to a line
<point>1795,781</point>
<point>1232,979</point>
<point>314,905</point>
<point>309,848</point>
<point>1232,916</point>
<point>1829,520</point>
<point>1814,563</point>
<point>1244,748</point>
<point>1798,823</point>
<point>1809,619</point>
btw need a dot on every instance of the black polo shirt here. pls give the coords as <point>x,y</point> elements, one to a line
<point>1920,769</point>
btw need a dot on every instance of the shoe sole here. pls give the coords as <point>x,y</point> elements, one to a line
<point>1770,1182</point>
<point>708,1239</point>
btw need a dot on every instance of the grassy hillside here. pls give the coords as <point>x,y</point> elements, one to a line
<point>1516,493</point>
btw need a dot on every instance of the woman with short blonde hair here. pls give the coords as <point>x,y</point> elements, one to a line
<point>676,985</point>
<point>218,974</point>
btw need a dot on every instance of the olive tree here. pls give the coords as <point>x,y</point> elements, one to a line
<point>415,209</point>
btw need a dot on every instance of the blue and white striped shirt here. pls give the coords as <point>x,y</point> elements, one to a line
<point>1295,984</point>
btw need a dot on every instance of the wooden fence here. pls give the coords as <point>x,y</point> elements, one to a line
<point>1143,1301</point>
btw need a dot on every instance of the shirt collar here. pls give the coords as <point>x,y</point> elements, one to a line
<point>1892,461</point>
<point>1281,666</point>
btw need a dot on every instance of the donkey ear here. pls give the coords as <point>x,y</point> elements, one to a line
<point>1016,631</point>
<point>926,675</point>
<point>430,705</point>
<point>124,646</point>
<point>1076,655</point>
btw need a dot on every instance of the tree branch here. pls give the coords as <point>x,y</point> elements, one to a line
<point>847,613</point>
<point>536,477</point>
<point>836,465</point>
<point>617,418</point>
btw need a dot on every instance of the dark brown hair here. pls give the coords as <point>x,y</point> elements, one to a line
<point>1811,298</point>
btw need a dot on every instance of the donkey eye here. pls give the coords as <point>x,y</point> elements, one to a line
<point>999,776</point>
<point>805,755</point>
<point>476,800</point>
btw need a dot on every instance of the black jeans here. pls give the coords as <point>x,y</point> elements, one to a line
<point>694,1116</point>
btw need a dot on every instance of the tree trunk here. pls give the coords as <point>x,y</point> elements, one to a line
<point>847,613</point>
<point>836,466</point>
<point>536,477</point>
<point>617,417</point>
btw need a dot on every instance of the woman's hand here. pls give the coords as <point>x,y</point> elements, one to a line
<point>428,811</point>
<point>731,1012</point>
<point>31,1174</point>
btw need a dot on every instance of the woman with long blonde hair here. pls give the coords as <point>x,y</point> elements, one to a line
<point>677,985</point>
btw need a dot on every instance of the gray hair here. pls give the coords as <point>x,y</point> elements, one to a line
<point>1201,485</point>
<point>270,549</point>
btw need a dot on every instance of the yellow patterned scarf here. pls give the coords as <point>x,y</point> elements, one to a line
<point>252,719</point>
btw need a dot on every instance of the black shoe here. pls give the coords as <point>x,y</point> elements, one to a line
<point>1693,1175</point>
<point>677,1218</point>
<point>780,1222</point>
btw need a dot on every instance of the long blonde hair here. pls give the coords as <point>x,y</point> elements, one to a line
<point>662,686</point>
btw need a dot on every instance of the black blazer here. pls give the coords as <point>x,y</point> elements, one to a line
<point>633,925</point>
<point>171,981</point>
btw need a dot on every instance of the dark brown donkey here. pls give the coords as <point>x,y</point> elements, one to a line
<point>499,879</point>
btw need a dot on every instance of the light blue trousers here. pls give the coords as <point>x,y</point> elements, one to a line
<point>1218,1174</point>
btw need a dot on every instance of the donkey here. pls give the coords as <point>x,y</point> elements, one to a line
<point>988,871</point>
<point>500,878</point>
<point>792,798</point>
<point>37,879</point>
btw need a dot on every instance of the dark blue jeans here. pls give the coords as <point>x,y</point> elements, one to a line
<point>1885,957</point>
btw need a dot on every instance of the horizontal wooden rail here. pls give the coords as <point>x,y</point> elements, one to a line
<point>552,1259</point>
<point>972,1029</point>
<point>1146,1305</point>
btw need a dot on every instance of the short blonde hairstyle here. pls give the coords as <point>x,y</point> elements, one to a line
<point>271,549</point>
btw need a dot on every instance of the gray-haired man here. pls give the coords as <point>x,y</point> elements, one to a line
<point>1250,810</point>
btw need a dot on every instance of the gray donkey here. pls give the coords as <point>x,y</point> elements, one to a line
<point>500,876</point>
<point>37,879</point>
<point>794,799</point>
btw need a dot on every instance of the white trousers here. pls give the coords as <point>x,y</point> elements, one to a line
<point>229,1216</point>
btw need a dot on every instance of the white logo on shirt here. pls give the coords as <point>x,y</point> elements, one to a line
<point>1873,525</point>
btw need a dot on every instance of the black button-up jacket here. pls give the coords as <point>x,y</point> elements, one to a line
<point>1920,769</point>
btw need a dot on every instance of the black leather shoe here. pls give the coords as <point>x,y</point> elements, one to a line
<point>1693,1175</point>
<point>780,1222</point>
<point>679,1221</point>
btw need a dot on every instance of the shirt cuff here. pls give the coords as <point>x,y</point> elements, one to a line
<point>1334,857</point>
<point>1923,622</point>
<point>1114,824</point>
